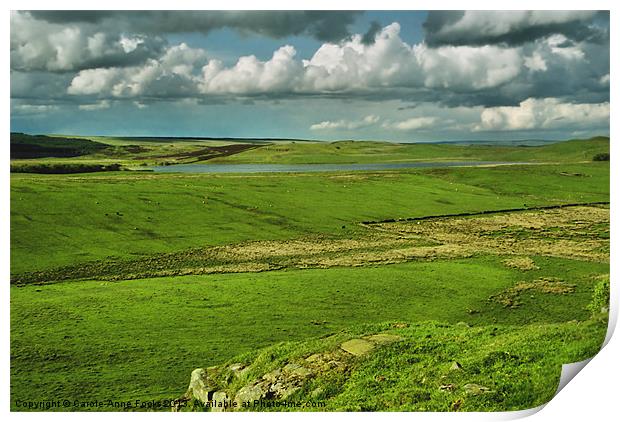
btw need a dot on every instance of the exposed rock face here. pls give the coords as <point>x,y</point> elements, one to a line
<point>297,371</point>
<point>357,346</point>
<point>209,385</point>
<point>202,384</point>
<point>219,398</point>
<point>362,346</point>
<point>277,384</point>
<point>337,361</point>
<point>250,393</point>
<point>238,369</point>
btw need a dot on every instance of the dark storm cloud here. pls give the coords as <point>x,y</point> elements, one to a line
<point>39,85</point>
<point>436,20</point>
<point>509,96</point>
<point>513,27</point>
<point>322,25</point>
<point>73,16</point>
<point>369,36</point>
<point>149,48</point>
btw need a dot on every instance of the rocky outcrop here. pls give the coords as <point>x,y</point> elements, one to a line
<point>357,346</point>
<point>277,384</point>
<point>213,386</point>
<point>202,385</point>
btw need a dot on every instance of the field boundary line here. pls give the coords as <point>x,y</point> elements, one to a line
<point>485,212</point>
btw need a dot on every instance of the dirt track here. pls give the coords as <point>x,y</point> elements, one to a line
<point>211,152</point>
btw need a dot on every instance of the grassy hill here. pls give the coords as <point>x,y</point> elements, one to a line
<point>124,282</point>
<point>57,220</point>
<point>369,152</point>
<point>57,154</point>
<point>432,367</point>
<point>138,152</point>
<point>40,146</point>
<point>140,339</point>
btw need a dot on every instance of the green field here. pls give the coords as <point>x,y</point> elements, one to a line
<point>124,282</point>
<point>59,220</point>
<point>140,152</point>
<point>371,152</point>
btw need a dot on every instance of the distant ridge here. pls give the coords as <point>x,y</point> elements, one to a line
<point>203,138</point>
<point>40,146</point>
<point>163,139</point>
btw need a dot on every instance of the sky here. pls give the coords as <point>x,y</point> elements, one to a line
<point>404,76</point>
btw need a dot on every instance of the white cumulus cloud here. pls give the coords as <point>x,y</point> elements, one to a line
<point>346,124</point>
<point>547,113</point>
<point>414,123</point>
<point>101,105</point>
<point>552,66</point>
<point>350,66</point>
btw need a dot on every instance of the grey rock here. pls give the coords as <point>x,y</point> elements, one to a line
<point>357,346</point>
<point>284,388</point>
<point>201,385</point>
<point>277,389</point>
<point>288,392</point>
<point>313,358</point>
<point>236,367</point>
<point>250,393</point>
<point>272,376</point>
<point>219,399</point>
<point>297,371</point>
<point>237,370</point>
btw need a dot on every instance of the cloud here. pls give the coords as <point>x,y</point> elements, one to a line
<point>369,36</point>
<point>558,67</point>
<point>352,65</point>
<point>547,113</point>
<point>468,68</point>
<point>76,57</point>
<point>346,124</point>
<point>172,75</point>
<point>39,85</point>
<point>347,67</point>
<point>73,16</point>
<point>251,76</point>
<point>101,105</point>
<point>510,27</point>
<point>414,123</point>
<point>40,45</point>
<point>604,80</point>
<point>322,25</point>
<point>33,108</point>
<point>535,62</point>
<point>411,124</point>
